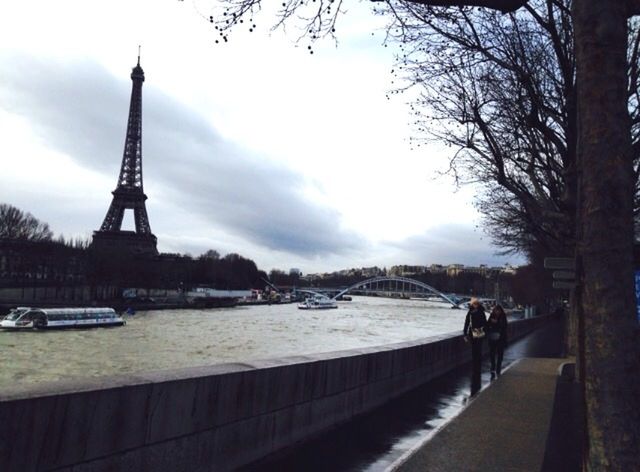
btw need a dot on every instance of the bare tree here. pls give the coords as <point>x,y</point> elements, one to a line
<point>500,91</point>
<point>211,254</point>
<point>606,181</point>
<point>508,104</point>
<point>16,224</point>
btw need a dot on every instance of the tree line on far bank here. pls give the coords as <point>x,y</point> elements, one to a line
<point>32,256</point>
<point>529,285</point>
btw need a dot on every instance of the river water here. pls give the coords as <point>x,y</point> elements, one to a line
<point>156,340</point>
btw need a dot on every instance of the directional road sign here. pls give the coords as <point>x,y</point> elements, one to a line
<point>564,275</point>
<point>566,263</point>
<point>562,284</point>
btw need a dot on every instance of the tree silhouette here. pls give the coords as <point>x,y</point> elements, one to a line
<point>16,224</point>
<point>606,184</point>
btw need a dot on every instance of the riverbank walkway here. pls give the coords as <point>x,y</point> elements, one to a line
<point>504,428</point>
<point>529,419</point>
<point>435,427</point>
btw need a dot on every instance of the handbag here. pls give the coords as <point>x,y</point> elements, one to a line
<point>477,333</point>
<point>494,336</point>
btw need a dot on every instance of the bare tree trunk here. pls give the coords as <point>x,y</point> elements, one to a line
<point>571,325</point>
<point>612,350</point>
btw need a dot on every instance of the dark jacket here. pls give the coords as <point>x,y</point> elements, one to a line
<point>476,318</point>
<point>497,325</point>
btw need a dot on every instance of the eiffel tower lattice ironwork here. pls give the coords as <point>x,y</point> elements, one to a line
<point>129,193</point>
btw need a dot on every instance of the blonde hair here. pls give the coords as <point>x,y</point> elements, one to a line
<point>474,302</point>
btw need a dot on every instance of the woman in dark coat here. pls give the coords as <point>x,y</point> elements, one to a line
<point>475,320</point>
<point>497,333</point>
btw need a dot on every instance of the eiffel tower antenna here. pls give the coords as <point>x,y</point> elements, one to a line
<point>129,193</point>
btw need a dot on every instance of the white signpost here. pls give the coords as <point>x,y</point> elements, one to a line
<point>565,276</point>
<point>564,263</point>
<point>563,284</point>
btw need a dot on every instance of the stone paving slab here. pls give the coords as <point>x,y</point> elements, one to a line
<point>504,428</point>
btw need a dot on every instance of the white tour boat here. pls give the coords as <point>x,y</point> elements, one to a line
<point>318,302</point>
<point>52,318</point>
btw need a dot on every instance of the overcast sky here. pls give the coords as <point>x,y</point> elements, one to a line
<point>254,146</point>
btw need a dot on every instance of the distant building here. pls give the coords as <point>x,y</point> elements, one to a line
<point>407,270</point>
<point>454,269</point>
<point>45,262</point>
<point>374,271</point>
<point>311,278</point>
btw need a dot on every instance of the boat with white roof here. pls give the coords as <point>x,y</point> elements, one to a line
<point>58,318</point>
<point>318,302</point>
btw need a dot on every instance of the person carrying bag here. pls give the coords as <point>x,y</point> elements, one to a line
<point>474,332</point>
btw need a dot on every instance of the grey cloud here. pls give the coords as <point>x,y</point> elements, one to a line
<point>81,110</point>
<point>450,244</point>
<point>77,109</point>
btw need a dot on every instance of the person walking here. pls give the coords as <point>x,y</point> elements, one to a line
<point>474,325</point>
<point>496,329</point>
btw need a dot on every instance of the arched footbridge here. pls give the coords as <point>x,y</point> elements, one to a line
<point>402,285</point>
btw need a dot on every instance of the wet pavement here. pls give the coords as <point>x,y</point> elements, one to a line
<point>375,441</point>
<point>504,428</point>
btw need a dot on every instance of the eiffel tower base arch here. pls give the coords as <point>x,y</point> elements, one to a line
<point>125,242</point>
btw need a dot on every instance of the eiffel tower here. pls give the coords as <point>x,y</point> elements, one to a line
<point>129,193</point>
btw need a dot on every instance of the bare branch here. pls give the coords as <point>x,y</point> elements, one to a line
<point>504,6</point>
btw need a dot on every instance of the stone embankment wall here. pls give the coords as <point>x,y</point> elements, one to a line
<point>81,295</point>
<point>36,295</point>
<point>212,418</point>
